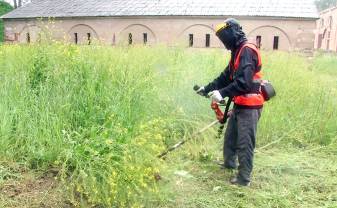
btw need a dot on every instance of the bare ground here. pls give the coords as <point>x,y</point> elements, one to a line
<point>21,188</point>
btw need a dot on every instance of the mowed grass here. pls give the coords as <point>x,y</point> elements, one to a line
<point>282,178</point>
<point>100,116</point>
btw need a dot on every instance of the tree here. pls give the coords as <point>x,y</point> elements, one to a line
<point>325,4</point>
<point>4,8</point>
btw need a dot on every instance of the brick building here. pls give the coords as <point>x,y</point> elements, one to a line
<point>272,24</point>
<point>326,36</point>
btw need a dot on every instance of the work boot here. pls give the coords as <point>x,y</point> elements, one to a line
<point>236,181</point>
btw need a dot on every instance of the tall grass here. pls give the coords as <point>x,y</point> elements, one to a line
<point>304,113</point>
<point>102,115</point>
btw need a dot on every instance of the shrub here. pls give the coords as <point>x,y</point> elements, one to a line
<point>4,8</point>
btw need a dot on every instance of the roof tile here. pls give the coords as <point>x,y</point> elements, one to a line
<point>92,8</point>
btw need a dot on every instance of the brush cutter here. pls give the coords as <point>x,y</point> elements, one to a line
<point>220,116</point>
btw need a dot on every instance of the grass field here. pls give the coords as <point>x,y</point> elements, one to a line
<point>82,126</point>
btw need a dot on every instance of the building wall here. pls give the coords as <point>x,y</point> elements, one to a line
<point>326,36</point>
<point>293,34</point>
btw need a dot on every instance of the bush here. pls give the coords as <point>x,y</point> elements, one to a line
<point>4,8</point>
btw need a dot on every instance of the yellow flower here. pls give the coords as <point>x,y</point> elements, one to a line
<point>109,141</point>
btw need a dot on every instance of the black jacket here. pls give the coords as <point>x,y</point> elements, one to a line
<point>242,82</point>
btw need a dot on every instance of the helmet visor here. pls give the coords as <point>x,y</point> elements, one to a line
<point>221,27</point>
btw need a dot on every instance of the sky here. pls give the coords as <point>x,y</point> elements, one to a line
<point>9,1</point>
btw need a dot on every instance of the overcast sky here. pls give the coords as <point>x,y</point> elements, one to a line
<point>11,2</point>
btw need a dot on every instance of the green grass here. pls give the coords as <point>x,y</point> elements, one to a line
<point>325,64</point>
<point>282,178</point>
<point>100,115</point>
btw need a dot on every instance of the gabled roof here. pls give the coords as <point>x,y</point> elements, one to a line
<point>117,8</point>
<point>331,9</point>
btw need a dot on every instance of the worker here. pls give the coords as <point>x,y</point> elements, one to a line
<point>241,81</point>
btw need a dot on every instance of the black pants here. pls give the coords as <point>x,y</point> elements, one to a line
<point>240,139</point>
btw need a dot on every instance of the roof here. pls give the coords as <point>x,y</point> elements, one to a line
<point>331,9</point>
<point>118,8</point>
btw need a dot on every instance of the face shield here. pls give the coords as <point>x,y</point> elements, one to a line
<point>229,33</point>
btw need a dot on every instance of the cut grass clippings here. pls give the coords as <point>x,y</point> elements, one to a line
<point>282,178</point>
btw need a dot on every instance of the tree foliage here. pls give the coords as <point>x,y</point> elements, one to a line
<point>325,4</point>
<point>4,8</point>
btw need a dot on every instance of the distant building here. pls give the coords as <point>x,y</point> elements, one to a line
<point>271,24</point>
<point>326,36</point>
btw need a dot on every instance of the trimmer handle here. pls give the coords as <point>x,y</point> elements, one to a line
<point>218,113</point>
<point>221,117</point>
<point>196,87</point>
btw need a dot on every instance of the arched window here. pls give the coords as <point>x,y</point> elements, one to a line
<point>269,37</point>
<point>198,36</point>
<point>82,34</point>
<point>30,34</point>
<point>136,34</point>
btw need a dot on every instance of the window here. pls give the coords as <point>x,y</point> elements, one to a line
<point>28,37</point>
<point>114,39</point>
<point>330,21</point>
<point>39,38</point>
<point>191,40</point>
<point>16,36</point>
<point>208,40</point>
<point>130,38</point>
<point>324,33</point>
<point>322,23</point>
<point>258,41</point>
<point>145,38</point>
<point>76,38</point>
<point>320,38</point>
<point>89,38</point>
<point>276,42</point>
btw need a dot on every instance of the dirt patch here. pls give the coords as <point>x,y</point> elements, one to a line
<point>33,191</point>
